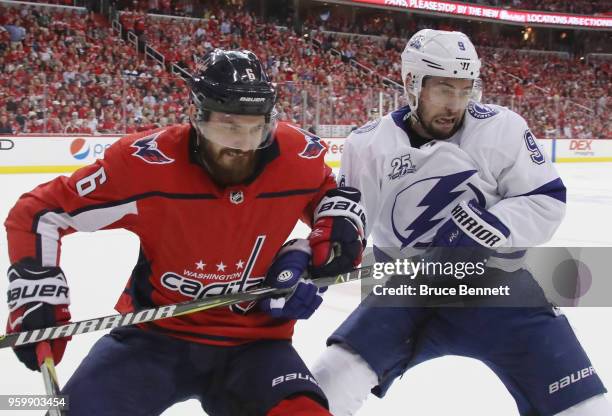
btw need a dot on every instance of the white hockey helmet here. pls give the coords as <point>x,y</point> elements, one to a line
<point>438,53</point>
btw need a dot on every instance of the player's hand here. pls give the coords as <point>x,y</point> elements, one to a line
<point>287,272</point>
<point>38,297</point>
<point>472,227</point>
<point>337,236</point>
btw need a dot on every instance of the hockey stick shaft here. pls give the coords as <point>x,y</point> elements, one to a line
<point>47,369</point>
<point>165,311</point>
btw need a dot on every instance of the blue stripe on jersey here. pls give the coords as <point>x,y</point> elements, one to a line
<point>554,189</point>
<point>290,192</point>
<point>399,116</point>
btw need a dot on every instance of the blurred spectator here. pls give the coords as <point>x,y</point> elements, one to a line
<point>16,32</point>
<point>5,126</point>
<point>74,124</point>
<point>91,122</point>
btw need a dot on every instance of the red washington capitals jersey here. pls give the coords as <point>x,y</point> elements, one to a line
<point>196,239</point>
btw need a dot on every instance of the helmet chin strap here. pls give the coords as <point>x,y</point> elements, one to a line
<point>415,119</point>
<point>199,136</point>
<point>199,146</point>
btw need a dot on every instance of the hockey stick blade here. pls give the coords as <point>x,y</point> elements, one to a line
<point>164,311</point>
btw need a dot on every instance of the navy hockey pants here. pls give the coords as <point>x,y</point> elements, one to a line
<point>135,372</point>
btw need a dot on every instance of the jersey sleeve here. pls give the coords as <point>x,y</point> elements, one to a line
<point>357,173</point>
<point>533,194</point>
<point>95,197</point>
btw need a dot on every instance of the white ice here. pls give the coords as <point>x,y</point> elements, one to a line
<point>98,265</point>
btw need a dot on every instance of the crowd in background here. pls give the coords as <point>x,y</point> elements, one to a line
<point>66,72</point>
<point>402,25</point>
<point>558,6</point>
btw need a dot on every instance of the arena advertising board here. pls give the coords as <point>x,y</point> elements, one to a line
<point>497,13</point>
<point>39,154</point>
<point>334,151</point>
<point>582,150</point>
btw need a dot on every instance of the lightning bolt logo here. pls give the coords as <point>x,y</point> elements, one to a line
<point>439,197</point>
<point>148,151</point>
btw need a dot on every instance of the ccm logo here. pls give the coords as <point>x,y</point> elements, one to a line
<point>6,144</point>
<point>580,144</point>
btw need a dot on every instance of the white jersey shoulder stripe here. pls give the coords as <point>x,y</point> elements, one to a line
<point>50,223</point>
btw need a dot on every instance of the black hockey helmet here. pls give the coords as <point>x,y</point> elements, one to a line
<point>231,82</point>
<point>234,84</point>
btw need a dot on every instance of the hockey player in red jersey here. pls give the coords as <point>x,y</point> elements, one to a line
<point>212,202</point>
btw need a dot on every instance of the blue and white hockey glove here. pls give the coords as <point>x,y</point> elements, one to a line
<point>337,236</point>
<point>471,226</point>
<point>471,234</point>
<point>286,272</point>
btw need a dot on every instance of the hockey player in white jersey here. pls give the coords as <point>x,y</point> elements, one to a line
<point>447,171</point>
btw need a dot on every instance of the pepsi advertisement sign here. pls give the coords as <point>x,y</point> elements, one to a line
<point>82,149</point>
<point>40,154</point>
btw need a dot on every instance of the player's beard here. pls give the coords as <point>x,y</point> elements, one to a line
<point>227,166</point>
<point>427,123</point>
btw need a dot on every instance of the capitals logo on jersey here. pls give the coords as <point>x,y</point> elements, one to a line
<point>198,289</point>
<point>422,205</point>
<point>148,151</point>
<point>221,282</point>
<point>313,148</point>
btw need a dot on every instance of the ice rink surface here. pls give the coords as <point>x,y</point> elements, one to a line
<point>98,265</point>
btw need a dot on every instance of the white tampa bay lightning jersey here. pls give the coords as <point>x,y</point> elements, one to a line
<point>409,192</point>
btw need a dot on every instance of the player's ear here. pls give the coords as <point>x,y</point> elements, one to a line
<point>409,89</point>
<point>192,113</point>
<point>408,81</point>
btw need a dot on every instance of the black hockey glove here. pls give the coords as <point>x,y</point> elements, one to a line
<point>37,298</point>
